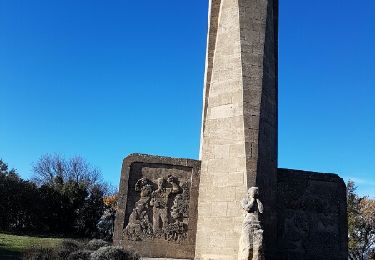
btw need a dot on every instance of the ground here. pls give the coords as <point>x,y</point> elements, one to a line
<point>12,247</point>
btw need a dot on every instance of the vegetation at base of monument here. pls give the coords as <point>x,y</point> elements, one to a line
<point>64,198</point>
<point>106,223</point>
<point>76,250</point>
<point>361,220</point>
<point>12,246</point>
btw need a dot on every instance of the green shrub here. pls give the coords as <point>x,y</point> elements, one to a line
<point>71,244</point>
<point>40,253</point>
<point>112,253</point>
<point>80,255</point>
<point>74,250</point>
<point>95,244</point>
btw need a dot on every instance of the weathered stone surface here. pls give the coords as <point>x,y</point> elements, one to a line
<point>311,212</point>
<point>239,130</point>
<point>158,206</point>
<point>251,241</point>
<point>312,218</point>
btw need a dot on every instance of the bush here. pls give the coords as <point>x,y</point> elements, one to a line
<point>39,253</point>
<point>75,250</point>
<point>372,254</point>
<point>95,244</point>
<point>112,253</point>
<point>67,247</point>
<point>61,252</point>
<point>71,245</point>
<point>80,255</point>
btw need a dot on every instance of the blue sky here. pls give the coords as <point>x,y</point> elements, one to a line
<point>103,79</point>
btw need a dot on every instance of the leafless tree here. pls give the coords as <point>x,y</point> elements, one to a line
<point>52,169</point>
<point>48,168</point>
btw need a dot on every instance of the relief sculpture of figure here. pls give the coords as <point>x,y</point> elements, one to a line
<point>251,241</point>
<point>159,202</point>
<point>139,223</point>
<point>177,230</point>
<point>143,186</point>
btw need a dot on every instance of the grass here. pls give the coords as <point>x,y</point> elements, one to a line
<point>12,247</point>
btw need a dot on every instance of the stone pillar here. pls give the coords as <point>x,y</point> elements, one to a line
<point>239,130</point>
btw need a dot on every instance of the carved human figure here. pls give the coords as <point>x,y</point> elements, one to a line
<point>138,219</point>
<point>251,241</point>
<point>159,202</point>
<point>133,229</point>
<point>143,186</point>
<point>177,230</point>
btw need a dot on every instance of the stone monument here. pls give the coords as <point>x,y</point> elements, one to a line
<point>188,209</point>
<point>239,133</point>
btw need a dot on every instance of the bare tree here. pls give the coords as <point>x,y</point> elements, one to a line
<point>54,169</point>
<point>48,168</point>
<point>82,172</point>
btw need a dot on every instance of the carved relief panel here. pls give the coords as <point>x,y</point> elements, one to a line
<point>311,215</point>
<point>158,206</point>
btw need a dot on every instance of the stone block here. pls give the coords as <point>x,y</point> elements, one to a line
<point>158,208</point>
<point>312,218</point>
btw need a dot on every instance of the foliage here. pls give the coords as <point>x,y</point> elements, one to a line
<point>372,255</point>
<point>41,253</point>
<point>90,212</point>
<point>64,198</point>
<point>75,250</point>
<point>106,223</point>
<point>80,189</point>
<point>361,220</point>
<point>80,255</point>
<point>71,245</point>
<point>112,253</point>
<point>110,201</point>
<point>95,244</point>
<point>60,251</point>
<point>4,169</point>
<point>17,198</point>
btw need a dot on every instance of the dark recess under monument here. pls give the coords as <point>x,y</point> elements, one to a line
<point>186,209</point>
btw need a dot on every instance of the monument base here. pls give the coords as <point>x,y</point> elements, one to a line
<point>311,212</point>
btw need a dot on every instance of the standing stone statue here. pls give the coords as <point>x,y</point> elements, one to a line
<point>251,241</point>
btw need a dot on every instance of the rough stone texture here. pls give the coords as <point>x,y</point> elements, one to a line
<point>312,218</point>
<point>157,211</point>
<point>251,242</point>
<point>239,132</point>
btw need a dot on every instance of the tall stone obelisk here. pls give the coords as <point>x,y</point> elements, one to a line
<point>239,131</point>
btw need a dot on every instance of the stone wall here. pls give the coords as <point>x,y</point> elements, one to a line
<point>312,218</point>
<point>157,212</point>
